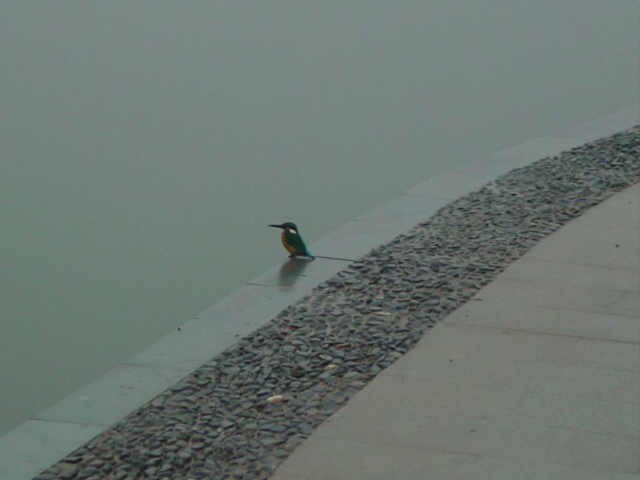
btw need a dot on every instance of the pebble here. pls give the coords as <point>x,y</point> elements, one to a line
<point>244,411</point>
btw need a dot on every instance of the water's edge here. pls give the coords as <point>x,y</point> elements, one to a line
<point>68,425</point>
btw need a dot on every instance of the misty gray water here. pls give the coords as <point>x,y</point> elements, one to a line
<point>145,146</point>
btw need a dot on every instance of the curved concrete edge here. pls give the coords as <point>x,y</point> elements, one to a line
<point>537,376</point>
<point>69,424</point>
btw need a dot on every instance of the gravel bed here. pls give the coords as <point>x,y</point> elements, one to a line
<point>240,414</point>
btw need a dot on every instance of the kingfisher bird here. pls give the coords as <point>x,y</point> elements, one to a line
<point>292,241</point>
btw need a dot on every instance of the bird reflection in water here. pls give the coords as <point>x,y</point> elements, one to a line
<point>290,271</point>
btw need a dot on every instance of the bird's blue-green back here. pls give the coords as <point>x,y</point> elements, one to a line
<point>295,240</point>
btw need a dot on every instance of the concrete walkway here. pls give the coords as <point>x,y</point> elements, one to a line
<point>535,378</point>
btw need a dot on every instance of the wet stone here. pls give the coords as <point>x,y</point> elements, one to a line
<point>227,424</point>
<point>156,453</point>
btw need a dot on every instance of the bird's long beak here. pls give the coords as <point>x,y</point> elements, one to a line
<point>276,226</point>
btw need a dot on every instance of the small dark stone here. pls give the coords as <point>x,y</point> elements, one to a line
<point>150,471</point>
<point>231,370</point>
<point>156,453</point>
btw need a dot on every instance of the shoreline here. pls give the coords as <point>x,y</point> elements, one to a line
<point>223,419</point>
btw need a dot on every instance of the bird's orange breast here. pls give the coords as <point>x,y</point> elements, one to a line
<point>290,249</point>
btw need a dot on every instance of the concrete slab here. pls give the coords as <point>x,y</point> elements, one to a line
<point>519,156</point>
<point>185,349</point>
<point>513,292</point>
<point>451,185</point>
<point>354,239</point>
<point>606,247</point>
<point>605,126</point>
<point>520,439</point>
<point>620,210</point>
<point>609,237</point>
<point>620,328</point>
<point>628,304</point>
<point>36,444</point>
<point>589,275</point>
<point>249,308</point>
<point>465,352</point>
<point>405,211</point>
<point>372,461</point>
<point>565,409</point>
<point>354,460</point>
<point>218,328</point>
<point>115,395</point>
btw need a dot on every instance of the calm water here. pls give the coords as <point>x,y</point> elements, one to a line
<point>145,146</point>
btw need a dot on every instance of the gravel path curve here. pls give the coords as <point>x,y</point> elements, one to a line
<point>240,414</point>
